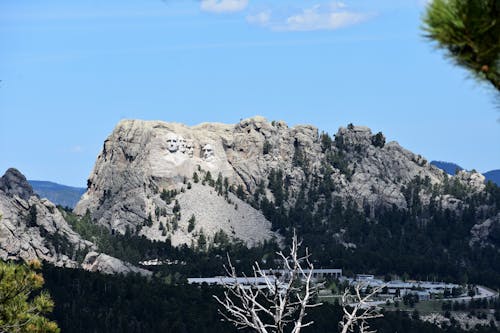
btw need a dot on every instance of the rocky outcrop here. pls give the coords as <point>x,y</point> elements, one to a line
<point>145,166</point>
<point>486,233</point>
<point>31,227</point>
<point>14,183</point>
<point>100,262</point>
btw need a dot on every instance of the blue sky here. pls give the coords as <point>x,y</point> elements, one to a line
<point>70,70</point>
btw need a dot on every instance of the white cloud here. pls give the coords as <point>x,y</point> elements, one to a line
<point>223,6</point>
<point>338,5</point>
<point>317,18</point>
<point>263,18</point>
<point>330,16</point>
<point>76,149</point>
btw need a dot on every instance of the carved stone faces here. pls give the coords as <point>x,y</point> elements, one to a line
<point>177,143</point>
<point>207,151</point>
<point>190,148</point>
<point>182,144</point>
<point>172,142</point>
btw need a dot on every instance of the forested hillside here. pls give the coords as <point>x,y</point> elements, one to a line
<point>90,302</point>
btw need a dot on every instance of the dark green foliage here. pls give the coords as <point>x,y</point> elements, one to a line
<point>378,140</point>
<point>62,245</point>
<point>22,306</point>
<point>219,186</point>
<point>338,160</point>
<point>168,195</point>
<point>266,149</point>
<point>133,249</point>
<point>339,142</point>
<point>221,238</point>
<point>202,241</point>
<point>191,223</point>
<point>149,221</point>
<point>455,188</point>
<point>177,207</point>
<point>299,158</point>
<point>240,192</point>
<point>425,241</point>
<point>91,302</point>
<point>31,221</point>
<point>326,142</point>
<point>208,178</point>
<point>276,185</point>
<point>196,178</point>
<point>469,31</point>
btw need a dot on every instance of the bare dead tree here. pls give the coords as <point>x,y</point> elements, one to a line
<point>280,302</point>
<point>358,309</point>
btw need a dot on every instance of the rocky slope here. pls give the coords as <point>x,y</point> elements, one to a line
<point>487,233</point>
<point>33,228</point>
<point>153,177</point>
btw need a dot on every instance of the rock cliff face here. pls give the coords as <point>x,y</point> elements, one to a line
<point>487,233</point>
<point>156,178</point>
<point>100,262</point>
<point>32,227</point>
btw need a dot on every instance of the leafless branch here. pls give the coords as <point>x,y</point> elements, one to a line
<point>358,309</point>
<point>280,303</point>
<point>282,300</point>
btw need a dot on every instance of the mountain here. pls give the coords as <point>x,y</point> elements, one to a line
<point>175,193</point>
<point>185,197</point>
<point>153,177</point>
<point>448,167</point>
<point>62,195</point>
<point>355,200</point>
<point>33,228</point>
<point>493,175</point>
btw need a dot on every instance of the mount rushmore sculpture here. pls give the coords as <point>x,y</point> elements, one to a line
<point>176,143</point>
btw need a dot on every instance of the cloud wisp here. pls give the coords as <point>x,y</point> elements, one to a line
<point>333,16</point>
<point>223,6</point>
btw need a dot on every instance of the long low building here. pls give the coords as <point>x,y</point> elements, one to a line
<point>271,275</point>
<point>317,273</point>
<point>226,280</point>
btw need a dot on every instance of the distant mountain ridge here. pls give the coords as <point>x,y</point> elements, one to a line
<point>493,175</point>
<point>448,167</point>
<point>451,168</point>
<point>66,196</point>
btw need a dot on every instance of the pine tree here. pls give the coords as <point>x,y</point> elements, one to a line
<point>469,30</point>
<point>20,312</point>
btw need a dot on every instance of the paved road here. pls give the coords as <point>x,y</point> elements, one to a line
<point>483,292</point>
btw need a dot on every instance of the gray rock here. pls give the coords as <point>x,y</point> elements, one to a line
<point>100,262</point>
<point>140,159</point>
<point>14,183</point>
<point>30,227</point>
<point>486,233</point>
<point>29,224</point>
